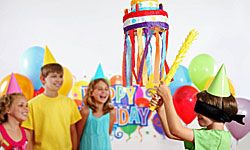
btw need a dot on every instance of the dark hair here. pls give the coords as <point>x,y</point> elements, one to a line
<point>5,103</point>
<point>227,104</point>
<point>51,68</point>
<point>90,101</point>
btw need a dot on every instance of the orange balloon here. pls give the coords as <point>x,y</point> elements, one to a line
<point>24,83</point>
<point>116,79</point>
<point>231,87</point>
<point>67,82</point>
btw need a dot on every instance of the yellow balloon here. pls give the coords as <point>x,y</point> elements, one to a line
<point>76,92</point>
<point>67,82</point>
<point>231,87</point>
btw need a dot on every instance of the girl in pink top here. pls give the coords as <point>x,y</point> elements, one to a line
<point>13,110</point>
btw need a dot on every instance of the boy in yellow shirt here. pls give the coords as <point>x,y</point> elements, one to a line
<point>52,116</point>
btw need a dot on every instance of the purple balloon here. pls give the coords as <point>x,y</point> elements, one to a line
<point>238,130</point>
<point>157,124</point>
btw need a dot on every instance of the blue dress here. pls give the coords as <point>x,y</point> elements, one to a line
<point>96,133</point>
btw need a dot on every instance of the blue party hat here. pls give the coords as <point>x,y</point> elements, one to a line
<point>99,73</point>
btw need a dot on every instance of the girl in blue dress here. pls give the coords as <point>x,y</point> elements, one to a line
<point>98,117</point>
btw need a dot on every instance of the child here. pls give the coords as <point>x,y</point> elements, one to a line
<point>214,107</point>
<point>52,117</point>
<point>13,110</point>
<point>98,116</point>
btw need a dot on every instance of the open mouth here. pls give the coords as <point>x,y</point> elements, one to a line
<point>103,97</point>
<point>25,114</point>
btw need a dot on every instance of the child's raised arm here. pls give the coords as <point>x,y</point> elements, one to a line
<point>175,126</point>
<point>162,115</point>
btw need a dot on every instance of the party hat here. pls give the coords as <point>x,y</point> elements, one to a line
<point>220,86</point>
<point>13,86</point>
<point>48,57</point>
<point>99,73</point>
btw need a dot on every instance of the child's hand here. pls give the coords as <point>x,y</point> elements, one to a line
<point>156,101</point>
<point>164,91</point>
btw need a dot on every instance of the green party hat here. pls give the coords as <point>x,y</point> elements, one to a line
<point>99,73</point>
<point>220,86</point>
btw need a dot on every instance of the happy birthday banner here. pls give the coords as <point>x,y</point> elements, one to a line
<point>131,104</point>
<point>132,109</point>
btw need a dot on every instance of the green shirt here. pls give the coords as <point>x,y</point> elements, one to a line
<point>209,140</point>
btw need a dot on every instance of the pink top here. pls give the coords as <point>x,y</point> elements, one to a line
<point>9,144</point>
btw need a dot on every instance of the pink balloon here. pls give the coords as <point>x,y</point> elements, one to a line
<point>238,130</point>
<point>139,92</point>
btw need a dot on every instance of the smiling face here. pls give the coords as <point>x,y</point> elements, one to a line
<point>19,108</point>
<point>53,81</point>
<point>100,92</point>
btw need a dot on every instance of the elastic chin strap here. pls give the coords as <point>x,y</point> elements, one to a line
<point>216,113</point>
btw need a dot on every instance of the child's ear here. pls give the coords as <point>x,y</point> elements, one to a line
<point>7,111</point>
<point>42,79</point>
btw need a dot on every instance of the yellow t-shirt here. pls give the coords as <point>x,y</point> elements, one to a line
<point>50,120</point>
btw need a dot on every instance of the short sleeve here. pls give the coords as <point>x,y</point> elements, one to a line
<point>75,113</point>
<point>212,139</point>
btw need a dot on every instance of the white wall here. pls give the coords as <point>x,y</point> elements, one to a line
<point>81,34</point>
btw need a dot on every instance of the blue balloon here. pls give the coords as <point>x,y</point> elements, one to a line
<point>30,63</point>
<point>181,78</point>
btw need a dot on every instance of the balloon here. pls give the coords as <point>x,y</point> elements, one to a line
<point>37,92</point>
<point>67,82</point>
<point>184,100</point>
<point>115,80</point>
<point>231,87</point>
<point>181,78</point>
<point>157,124</point>
<point>77,89</point>
<point>30,64</point>
<point>238,130</point>
<point>129,129</point>
<point>142,102</point>
<point>139,92</point>
<point>201,69</point>
<point>24,83</point>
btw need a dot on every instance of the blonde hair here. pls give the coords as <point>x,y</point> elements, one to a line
<point>227,104</point>
<point>90,101</point>
<point>5,103</point>
<point>51,68</point>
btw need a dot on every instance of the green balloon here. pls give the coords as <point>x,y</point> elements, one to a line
<point>129,129</point>
<point>201,69</point>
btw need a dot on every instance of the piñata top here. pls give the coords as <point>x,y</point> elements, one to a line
<point>145,14</point>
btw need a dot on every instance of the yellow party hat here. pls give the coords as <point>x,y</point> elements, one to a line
<point>48,57</point>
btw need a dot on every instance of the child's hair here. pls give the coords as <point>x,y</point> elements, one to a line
<point>90,101</point>
<point>5,103</point>
<point>51,68</point>
<point>227,104</point>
